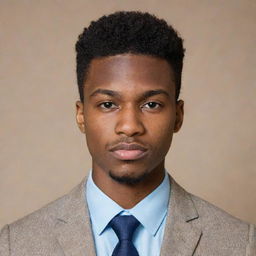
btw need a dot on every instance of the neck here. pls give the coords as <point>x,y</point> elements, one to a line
<point>128,195</point>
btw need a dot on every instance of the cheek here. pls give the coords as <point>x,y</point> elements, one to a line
<point>98,130</point>
<point>161,132</point>
<point>161,126</point>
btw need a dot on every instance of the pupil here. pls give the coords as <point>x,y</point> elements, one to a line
<point>107,104</point>
<point>152,104</point>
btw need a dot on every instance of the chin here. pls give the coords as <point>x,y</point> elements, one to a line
<point>128,178</point>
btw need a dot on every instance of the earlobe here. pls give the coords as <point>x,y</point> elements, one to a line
<point>179,115</point>
<point>80,116</point>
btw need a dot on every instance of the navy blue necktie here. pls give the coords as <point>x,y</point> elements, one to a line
<point>124,227</point>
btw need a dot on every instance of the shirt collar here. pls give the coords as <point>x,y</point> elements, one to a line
<point>101,207</point>
<point>150,211</point>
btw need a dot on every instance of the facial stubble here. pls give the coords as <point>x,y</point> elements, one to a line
<point>127,179</point>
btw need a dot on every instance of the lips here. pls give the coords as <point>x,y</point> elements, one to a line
<point>126,151</point>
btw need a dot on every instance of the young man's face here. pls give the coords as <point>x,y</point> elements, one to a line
<point>129,115</point>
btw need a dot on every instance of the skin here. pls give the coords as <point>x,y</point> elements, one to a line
<point>119,107</point>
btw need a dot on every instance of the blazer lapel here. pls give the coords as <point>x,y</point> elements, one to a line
<point>74,234</point>
<point>182,234</point>
<point>73,228</point>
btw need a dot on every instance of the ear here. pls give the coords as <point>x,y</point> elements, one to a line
<point>80,116</point>
<point>179,115</point>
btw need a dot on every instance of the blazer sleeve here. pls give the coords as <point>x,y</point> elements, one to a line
<point>4,241</point>
<point>251,247</point>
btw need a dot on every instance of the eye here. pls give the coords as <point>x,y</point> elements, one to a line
<point>107,105</point>
<point>152,105</point>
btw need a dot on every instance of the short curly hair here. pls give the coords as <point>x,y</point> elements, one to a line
<point>129,32</point>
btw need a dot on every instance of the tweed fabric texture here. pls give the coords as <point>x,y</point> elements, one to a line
<point>193,227</point>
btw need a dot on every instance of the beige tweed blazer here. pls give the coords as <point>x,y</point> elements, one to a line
<point>193,227</point>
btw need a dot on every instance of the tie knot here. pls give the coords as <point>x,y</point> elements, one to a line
<point>124,226</point>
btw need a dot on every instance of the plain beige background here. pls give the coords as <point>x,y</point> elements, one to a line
<point>43,154</point>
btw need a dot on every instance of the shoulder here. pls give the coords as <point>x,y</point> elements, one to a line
<point>38,228</point>
<point>47,215</point>
<point>41,219</point>
<point>223,228</point>
<point>211,214</point>
<point>35,228</point>
<point>220,232</point>
<point>205,212</point>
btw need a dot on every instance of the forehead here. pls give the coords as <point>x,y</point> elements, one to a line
<point>129,69</point>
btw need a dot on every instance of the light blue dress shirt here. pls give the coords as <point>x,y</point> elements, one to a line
<point>150,212</point>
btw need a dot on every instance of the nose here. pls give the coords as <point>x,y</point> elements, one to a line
<point>129,122</point>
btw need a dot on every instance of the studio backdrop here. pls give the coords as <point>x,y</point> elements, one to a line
<point>43,154</point>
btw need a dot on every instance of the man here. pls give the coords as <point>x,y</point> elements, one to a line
<point>129,67</point>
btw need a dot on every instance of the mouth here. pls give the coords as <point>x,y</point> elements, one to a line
<point>126,151</point>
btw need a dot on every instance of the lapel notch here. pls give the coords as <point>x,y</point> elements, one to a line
<point>73,227</point>
<point>182,232</point>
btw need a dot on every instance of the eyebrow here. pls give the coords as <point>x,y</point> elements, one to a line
<point>106,92</point>
<point>151,93</point>
<point>145,95</point>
